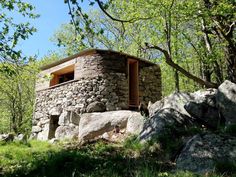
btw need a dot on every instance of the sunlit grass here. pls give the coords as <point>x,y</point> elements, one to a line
<point>37,158</point>
<point>26,156</point>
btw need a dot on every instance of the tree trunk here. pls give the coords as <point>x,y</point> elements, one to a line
<point>176,76</point>
<point>218,73</point>
<point>231,62</point>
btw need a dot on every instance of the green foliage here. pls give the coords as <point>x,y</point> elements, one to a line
<point>12,32</point>
<point>17,72</point>
<point>192,32</point>
<point>17,94</point>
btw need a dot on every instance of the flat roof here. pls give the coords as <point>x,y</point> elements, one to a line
<point>90,52</point>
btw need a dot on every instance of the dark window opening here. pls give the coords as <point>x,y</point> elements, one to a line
<point>65,77</point>
<point>53,124</point>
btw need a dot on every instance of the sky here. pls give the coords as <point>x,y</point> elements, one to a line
<point>52,13</point>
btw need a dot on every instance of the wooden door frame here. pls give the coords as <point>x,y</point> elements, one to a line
<point>135,62</point>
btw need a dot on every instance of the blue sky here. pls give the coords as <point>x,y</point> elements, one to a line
<point>53,13</point>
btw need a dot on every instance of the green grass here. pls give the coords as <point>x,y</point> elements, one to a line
<point>17,157</point>
<point>38,159</point>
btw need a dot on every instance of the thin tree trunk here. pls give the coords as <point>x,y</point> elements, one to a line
<point>176,81</point>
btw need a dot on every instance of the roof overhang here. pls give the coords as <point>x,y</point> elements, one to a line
<point>91,52</point>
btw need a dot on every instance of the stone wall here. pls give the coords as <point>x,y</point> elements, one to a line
<point>70,99</point>
<point>101,84</point>
<point>149,84</point>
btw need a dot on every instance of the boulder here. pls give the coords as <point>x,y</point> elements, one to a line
<point>135,124</point>
<point>226,101</point>
<point>163,120</point>
<point>207,96</point>
<point>66,132</point>
<point>96,107</point>
<point>204,113</point>
<point>203,107</point>
<point>93,125</point>
<point>64,118</point>
<point>202,153</point>
<point>174,101</point>
<point>166,113</point>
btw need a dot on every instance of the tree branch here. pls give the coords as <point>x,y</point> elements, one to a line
<point>120,20</point>
<point>72,17</point>
<point>170,62</point>
<point>231,27</point>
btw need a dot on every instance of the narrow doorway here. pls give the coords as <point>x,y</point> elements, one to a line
<point>53,126</point>
<point>133,84</point>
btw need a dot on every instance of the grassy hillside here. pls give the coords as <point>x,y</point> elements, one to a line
<point>131,158</point>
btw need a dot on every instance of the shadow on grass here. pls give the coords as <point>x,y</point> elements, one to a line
<point>90,160</point>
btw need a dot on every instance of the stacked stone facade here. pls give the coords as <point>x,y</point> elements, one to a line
<point>100,77</point>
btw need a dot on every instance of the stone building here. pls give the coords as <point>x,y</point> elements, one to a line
<point>91,81</point>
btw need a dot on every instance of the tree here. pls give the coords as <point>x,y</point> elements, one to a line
<point>11,32</point>
<point>17,88</point>
<point>16,73</point>
<point>162,15</point>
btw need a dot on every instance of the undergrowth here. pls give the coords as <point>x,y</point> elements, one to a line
<point>131,159</point>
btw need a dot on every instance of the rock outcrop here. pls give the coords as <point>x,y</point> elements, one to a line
<point>202,153</point>
<point>214,107</point>
<point>168,113</point>
<point>175,101</point>
<point>226,101</point>
<point>204,109</point>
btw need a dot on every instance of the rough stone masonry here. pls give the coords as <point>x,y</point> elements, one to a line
<point>101,83</point>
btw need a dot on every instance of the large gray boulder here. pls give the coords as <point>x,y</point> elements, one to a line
<point>95,124</point>
<point>203,107</point>
<point>168,113</point>
<point>226,100</point>
<point>174,101</point>
<point>164,120</point>
<point>204,114</point>
<point>135,123</point>
<point>207,96</point>
<point>202,153</point>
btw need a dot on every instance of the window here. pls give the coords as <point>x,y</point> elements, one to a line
<point>65,77</point>
<point>62,75</point>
